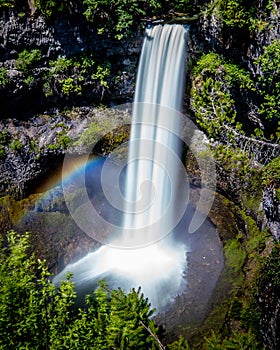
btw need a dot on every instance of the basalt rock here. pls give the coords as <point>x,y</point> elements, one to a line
<point>62,37</point>
<point>31,149</point>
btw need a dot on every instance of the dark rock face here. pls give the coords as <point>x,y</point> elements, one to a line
<point>33,148</point>
<point>272,211</point>
<point>63,37</point>
<point>269,300</point>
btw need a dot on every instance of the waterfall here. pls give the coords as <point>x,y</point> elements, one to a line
<point>152,171</point>
<point>147,254</point>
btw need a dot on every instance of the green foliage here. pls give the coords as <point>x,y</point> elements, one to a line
<point>238,340</point>
<point>117,18</point>
<point>260,22</point>
<point>29,80</point>
<point>95,132</point>
<point>271,172</point>
<point>4,141</point>
<point>7,3</point>
<point>180,344</point>
<point>212,64</point>
<point>16,145</point>
<point>269,83</point>
<point>256,239</point>
<point>214,106</point>
<point>271,176</point>
<point>27,60</point>
<point>122,18</point>
<point>34,315</point>
<point>68,85</point>
<point>234,254</point>
<point>58,70</point>
<point>220,88</point>
<point>269,63</point>
<point>62,142</point>
<point>27,306</point>
<point>270,273</point>
<point>211,93</point>
<point>50,8</point>
<point>73,75</point>
<point>2,151</point>
<point>4,80</point>
<point>101,75</point>
<point>4,137</point>
<point>235,13</point>
<point>60,65</point>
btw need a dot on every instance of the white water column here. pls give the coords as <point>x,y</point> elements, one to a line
<point>152,171</point>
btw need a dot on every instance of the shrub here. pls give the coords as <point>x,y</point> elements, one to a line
<point>27,60</point>
<point>4,79</point>
<point>271,176</point>
<point>269,85</point>
<point>36,315</point>
<point>238,340</point>
<point>212,93</point>
<point>74,75</point>
<point>4,137</point>
<point>2,151</point>
<point>16,145</point>
<point>64,140</point>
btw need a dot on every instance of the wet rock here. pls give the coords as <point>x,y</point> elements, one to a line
<point>31,149</point>
<point>272,210</point>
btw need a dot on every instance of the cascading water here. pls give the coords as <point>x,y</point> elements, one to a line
<point>147,253</point>
<point>154,145</point>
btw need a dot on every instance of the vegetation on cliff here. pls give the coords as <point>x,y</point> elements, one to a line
<point>234,97</point>
<point>117,19</point>
<point>36,315</point>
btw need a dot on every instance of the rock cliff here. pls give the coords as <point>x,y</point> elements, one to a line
<point>35,133</point>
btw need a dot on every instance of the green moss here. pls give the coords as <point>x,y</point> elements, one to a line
<point>15,209</point>
<point>235,254</point>
<point>102,134</point>
<point>34,147</point>
<point>29,80</point>
<point>243,177</point>
<point>270,271</point>
<point>95,131</point>
<point>271,176</point>
<point>256,238</point>
<point>234,298</point>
